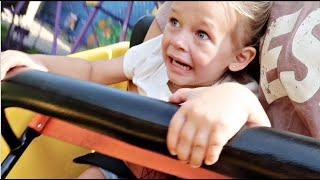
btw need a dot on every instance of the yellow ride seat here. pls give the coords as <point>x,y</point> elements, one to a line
<point>47,157</point>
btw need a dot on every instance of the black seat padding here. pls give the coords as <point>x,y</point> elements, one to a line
<point>140,29</point>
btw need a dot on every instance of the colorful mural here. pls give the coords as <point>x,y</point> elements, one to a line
<point>107,31</point>
<point>107,25</point>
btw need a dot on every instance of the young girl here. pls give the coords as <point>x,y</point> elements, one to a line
<point>204,44</point>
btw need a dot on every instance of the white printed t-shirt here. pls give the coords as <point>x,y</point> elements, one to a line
<point>144,65</point>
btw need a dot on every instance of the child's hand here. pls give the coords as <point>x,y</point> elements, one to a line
<point>12,58</point>
<point>208,118</point>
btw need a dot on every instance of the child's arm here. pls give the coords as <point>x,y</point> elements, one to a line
<point>101,71</point>
<point>209,118</point>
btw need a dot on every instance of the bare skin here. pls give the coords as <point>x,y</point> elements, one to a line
<point>92,171</point>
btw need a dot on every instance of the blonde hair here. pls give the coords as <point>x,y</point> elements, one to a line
<point>253,16</point>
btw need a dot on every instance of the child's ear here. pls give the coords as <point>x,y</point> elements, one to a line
<point>242,59</point>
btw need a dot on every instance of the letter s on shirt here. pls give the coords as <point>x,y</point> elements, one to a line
<point>305,47</point>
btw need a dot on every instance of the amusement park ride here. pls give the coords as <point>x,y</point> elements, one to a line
<point>59,123</point>
<point>87,12</point>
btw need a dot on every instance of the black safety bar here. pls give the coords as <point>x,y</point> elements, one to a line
<point>142,121</point>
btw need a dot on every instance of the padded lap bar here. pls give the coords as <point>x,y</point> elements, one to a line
<point>143,121</point>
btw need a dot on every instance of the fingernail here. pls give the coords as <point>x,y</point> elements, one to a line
<point>173,153</point>
<point>207,162</point>
<point>183,161</point>
<point>194,166</point>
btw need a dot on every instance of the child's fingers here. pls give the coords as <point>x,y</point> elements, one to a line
<point>213,154</point>
<point>184,145</point>
<point>5,64</point>
<point>11,59</point>
<point>180,96</point>
<point>218,138</point>
<point>4,70</point>
<point>199,148</point>
<point>174,131</point>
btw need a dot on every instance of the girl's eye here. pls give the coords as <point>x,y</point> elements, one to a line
<point>202,35</point>
<point>174,22</point>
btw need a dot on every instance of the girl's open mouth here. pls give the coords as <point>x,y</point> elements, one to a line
<point>180,64</point>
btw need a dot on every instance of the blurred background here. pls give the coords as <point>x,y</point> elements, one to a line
<point>64,27</point>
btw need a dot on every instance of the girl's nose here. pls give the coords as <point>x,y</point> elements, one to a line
<point>179,41</point>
